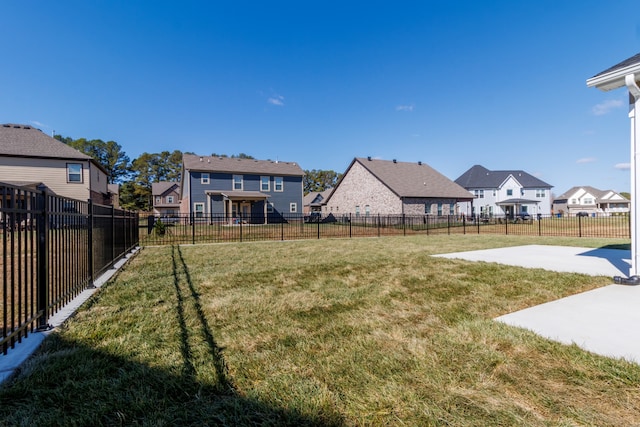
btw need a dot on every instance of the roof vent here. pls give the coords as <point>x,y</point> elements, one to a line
<point>395,161</point>
<point>200,158</point>
<point>419,162</point>
<point>369,158</point>
<point>208,160</point>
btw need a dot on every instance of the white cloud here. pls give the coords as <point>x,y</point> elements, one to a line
<point>606,106</point>
<point>586,160</point>
<point>404,107</point>
<point>276,100</point>
<point>623,166</point>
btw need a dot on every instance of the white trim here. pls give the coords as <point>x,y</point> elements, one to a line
<point>275,184</point>
<point>233,182</point>
<point>204,178</point>
<point>293,207</point>
<point>268,178</point>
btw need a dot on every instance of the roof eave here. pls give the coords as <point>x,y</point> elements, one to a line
<point>614,79</point>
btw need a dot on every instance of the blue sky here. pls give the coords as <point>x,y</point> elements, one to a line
<point>449,83</point>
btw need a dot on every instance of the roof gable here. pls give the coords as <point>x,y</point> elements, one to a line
<point>27,141</point>
<point>160,188</point>
<point>480,177</point>
<point>192,162</point>
<point>412,179</point>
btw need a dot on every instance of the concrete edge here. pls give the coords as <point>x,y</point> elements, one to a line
<point>15,357</point>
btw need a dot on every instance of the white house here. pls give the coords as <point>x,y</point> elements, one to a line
<point>592,201</point>
<point>504,193</point>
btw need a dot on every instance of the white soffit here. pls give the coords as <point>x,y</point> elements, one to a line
<point>613,79</point>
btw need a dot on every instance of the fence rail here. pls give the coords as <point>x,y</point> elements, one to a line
<point>188,229</point>
<point>52,249</point>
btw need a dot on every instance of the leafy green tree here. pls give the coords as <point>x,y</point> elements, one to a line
<point>108,154</point>
<point>319,180</point>
<point>625,195</point>
<point>149,168</point>
<point>234,156</point>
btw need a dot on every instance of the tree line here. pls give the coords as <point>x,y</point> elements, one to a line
<point>136,176</point>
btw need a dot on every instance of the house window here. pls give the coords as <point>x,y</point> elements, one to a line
<point>293,207</point>
<point>574,201</point>
<point>204,178</point>
<point>509,192</point>
<point>198,209</point>
<point>278,183</point>
<point>588,201</point>
<point>357,210</point>
<point>494,193</point>
<point>169,199</point>
<point>237,182</point>
<point>367,210</point>
<point>522,191</point>
<point>439,209</point>
<point>264,183</point>
<point>158,200</point>
<point>427,208</point>
<point>74,172</point>
<point>269,207</point>
<point>479,194</point>
<point>540,193</point>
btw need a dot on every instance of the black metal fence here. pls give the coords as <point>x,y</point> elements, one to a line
<point>52,249</point>
<point>187,229</point>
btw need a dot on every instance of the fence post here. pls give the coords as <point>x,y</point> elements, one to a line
<point>350,235</point>
<point>579,226</point>
<point>282,230</point>
<point>193,228</point>
<point>378,224</point>
<point>42,260</point>
<point>113,234</point>
<point>449,224</point>
<point>404,226</point>
<point>302,222</point>
<point>90,243</point>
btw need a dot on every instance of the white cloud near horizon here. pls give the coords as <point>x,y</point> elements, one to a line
<point>586,160</point>
<point>606,106</point>
<point>404,107</point>
<point>623,166</point>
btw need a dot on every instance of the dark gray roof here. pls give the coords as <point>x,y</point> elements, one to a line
<point>623,64</point>
<point>27,141</point>
<point>232,165</point>
<point>413,179</point>
<point>481,177</point>
<point>159,188</point>
<point>316,198</point>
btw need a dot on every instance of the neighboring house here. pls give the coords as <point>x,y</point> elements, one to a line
<point>255,190</point>
<point>114,191</point>
<point>592,201</point>
<point>315,201</point>
<point>166,198</point>
<point>388,187</point>
<point>504,193</point>
<point>29,155</point>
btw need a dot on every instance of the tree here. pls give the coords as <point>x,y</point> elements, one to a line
<point>319,180</point>
<point>625,195</point>
<point>234,156</point>
<point>108,154</point>
<point>147,169</point>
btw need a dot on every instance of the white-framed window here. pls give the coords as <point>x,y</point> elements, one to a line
<point>169,199</point>
<point>588,201</point>
<point>357,210</point>
<point>74,172</point>
<point>293,207</point>
<point>509,192</point>
<point>269,207</point>
<point>367,210</point>
<point>574,201</point>
<point>198,210</point>
<point>278,183</point>
<point>494,193</point>
<point>265,183</point>
<point>204,178</point>
<point>540,193</point>
<point>158,200</point>
<point>522,191</point>
<point>237,182</point>
<point>439,209</point>
<point>479,194</point>
<point>427,208</point>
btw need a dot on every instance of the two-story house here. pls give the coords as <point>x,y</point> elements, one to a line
<point>29,156</point>
<point>504,193</point>
<point>591,201</point>
<point>166,198</point>
<point>250,190</point>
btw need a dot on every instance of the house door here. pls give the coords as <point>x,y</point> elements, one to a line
<point>245,209</point>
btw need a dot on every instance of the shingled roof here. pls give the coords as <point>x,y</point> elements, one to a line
<point>480,177</point>
<point>27,141</point>
<point>413,179</point>
<point>235,165</point>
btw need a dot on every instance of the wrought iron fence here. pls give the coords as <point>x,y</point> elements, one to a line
<point>52,249</point>
<point>188,229</point>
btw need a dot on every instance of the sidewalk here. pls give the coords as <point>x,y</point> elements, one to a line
<point>604,321</point>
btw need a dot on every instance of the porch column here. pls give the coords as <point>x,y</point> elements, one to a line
<point>634,116</point>
<point>264,208</point>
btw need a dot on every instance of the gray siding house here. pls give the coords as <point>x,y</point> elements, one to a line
<point>504,192</point>
<point>388,187</point>
<point>30,157</point>
<point>235,189</point>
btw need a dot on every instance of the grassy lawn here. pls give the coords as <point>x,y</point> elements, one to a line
<point>322,332</point>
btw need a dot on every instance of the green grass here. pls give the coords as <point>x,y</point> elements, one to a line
<point>330,332</point>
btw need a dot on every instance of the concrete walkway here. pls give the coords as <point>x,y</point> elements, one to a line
<point>605,321</point>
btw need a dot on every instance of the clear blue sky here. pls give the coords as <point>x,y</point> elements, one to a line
<point>450,83</point>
